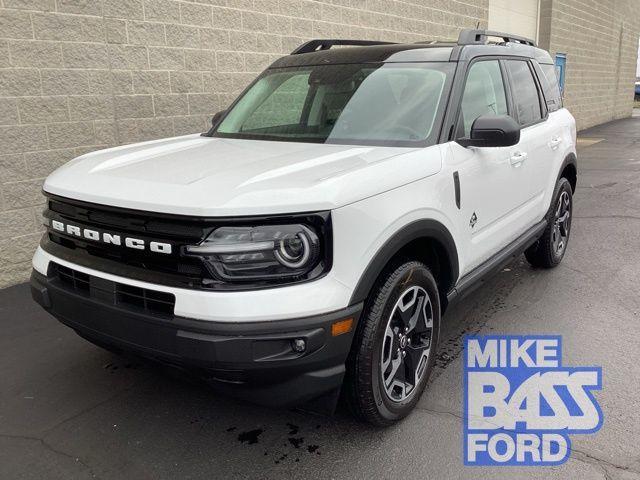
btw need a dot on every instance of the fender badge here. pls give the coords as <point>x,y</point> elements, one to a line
<point>474,220</point>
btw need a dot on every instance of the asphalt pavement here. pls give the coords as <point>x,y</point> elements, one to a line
<point>69,410</point>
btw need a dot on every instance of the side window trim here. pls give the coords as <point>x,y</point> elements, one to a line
<point>541,98</point>
<point>511,106</point>
<point>454,104</point>
<point>505,85</point>
<point>537,70</point>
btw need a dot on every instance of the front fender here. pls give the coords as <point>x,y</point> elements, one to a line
<point>426,228</point>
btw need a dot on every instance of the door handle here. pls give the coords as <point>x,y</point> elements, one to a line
<point>518,158</point>
<point>555,143</point>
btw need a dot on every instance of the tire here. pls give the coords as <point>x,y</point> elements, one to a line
<point>549,249</point>
<point>405,290</point>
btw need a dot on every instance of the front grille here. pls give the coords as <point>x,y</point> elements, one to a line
<point>113,293</point>
<point>159,302</point>
<point>72,279</point>
<point>176,268</point>
<point>169,269</point>
<point>125,220</point>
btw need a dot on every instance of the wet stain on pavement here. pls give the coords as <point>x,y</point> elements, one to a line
<point>606,185</point>
<point>250,437</point>
<point>296,442</point>
<point>288,447</point>
<point>474,320</point>
<point>114,366</point>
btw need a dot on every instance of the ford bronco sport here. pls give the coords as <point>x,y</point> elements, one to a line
<point>308,244</point>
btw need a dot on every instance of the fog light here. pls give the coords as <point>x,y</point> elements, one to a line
<point>299,345</point>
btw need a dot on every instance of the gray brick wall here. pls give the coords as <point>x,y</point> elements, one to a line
<point>600,39</point>
<point>80,75</point>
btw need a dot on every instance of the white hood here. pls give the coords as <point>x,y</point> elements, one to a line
<point>195,175</point>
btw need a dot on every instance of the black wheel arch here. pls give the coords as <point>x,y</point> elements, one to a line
<point>569,170</point>
<point>429,241</point>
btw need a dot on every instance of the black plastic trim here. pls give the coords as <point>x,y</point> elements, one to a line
<point>428,229</point>
<point>478,275</point>
<point>456,186</point>
<point>251,360</point>
<point>479,37</point>
<point>570,159</point>
<point>450,120</point>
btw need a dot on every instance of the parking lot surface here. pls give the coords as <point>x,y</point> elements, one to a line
<point>69,410</point>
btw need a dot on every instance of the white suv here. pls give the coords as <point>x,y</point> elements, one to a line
<point>309,243</point>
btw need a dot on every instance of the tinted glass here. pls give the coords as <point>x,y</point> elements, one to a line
<point>483,95</point>
<point>283,107</point>
<point>525,93</point>
<point>551,87</point>
<point>394,104</point>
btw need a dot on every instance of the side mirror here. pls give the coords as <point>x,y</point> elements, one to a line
<point>492,131</point>
<point>217,118</point>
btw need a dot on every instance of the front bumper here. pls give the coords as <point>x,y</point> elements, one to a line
<point>327,294</point>
<point>250,360</point>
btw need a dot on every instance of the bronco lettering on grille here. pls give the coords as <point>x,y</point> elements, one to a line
<point>111,238</point>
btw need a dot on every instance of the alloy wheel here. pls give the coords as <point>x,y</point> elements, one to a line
<point>407,344</point>
<point>562,225</point>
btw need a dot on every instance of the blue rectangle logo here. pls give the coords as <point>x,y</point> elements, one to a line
<point>521,404</point>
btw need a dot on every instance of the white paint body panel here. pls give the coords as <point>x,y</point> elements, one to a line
<point>203,176</point>
<point>507,198</point>
<point>372,192</point>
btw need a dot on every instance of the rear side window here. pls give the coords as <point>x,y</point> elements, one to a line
<point>551,87</point>
<point>484,94</point>
<point>525,92</point>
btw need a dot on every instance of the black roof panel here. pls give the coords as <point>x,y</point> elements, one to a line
<point>415,52</point>
<point>411,52</point>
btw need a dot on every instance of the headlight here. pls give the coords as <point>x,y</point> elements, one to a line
<point>260,252</point>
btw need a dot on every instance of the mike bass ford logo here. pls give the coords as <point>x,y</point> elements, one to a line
<point>521,404</point>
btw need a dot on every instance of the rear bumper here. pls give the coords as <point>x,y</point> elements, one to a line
<point>250,360</point>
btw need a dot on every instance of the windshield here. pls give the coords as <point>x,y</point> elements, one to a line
<point>371,104</point>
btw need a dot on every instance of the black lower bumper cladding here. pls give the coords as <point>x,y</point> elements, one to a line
<point>256,361</point>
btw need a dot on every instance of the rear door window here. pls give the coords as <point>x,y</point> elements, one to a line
<point>525,92</point>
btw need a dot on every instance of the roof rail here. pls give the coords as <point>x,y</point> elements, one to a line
<point>479,37</point>
<point>316,45</point>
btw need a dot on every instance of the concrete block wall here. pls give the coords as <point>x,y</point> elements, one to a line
<point>80,75</point>
<point>600,39</point>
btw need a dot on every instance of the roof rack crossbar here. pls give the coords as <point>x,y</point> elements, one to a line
<point>316,45</point>
<point>479,37</point>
